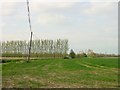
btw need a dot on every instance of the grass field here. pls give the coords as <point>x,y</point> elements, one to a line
<point>59,73</point>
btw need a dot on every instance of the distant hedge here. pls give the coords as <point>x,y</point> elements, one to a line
<point>12,54</point>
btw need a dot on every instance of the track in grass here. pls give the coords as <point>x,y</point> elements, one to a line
<point>83,73</point>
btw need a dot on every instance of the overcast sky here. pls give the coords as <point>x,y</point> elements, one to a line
<point>87,25</point>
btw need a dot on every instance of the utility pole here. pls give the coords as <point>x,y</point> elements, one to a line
<point>30,47</point>
<point>30,31</point>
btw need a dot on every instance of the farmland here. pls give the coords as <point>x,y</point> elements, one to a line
<point>59,73</point>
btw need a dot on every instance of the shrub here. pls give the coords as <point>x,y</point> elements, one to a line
<point>67,57</point>
<point>72,54</point>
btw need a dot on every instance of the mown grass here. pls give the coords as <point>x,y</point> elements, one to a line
<point>74,73</point>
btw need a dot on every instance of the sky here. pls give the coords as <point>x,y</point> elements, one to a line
<point>87,24</point>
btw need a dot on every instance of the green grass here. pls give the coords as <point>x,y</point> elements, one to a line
<point>0,75</point>
<point>83,73</point>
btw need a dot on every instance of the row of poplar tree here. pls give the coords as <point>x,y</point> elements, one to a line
<point>59,46</point>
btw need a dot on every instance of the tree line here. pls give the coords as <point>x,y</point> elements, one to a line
<point>58,47</point>
<point>90,53</point>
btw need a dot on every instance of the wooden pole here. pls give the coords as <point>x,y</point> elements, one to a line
<point>30,47</point>
<point>30,31</point>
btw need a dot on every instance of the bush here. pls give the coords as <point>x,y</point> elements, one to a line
<point>67,57</point>
<point>72,54</point>
<point>5,61</point>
